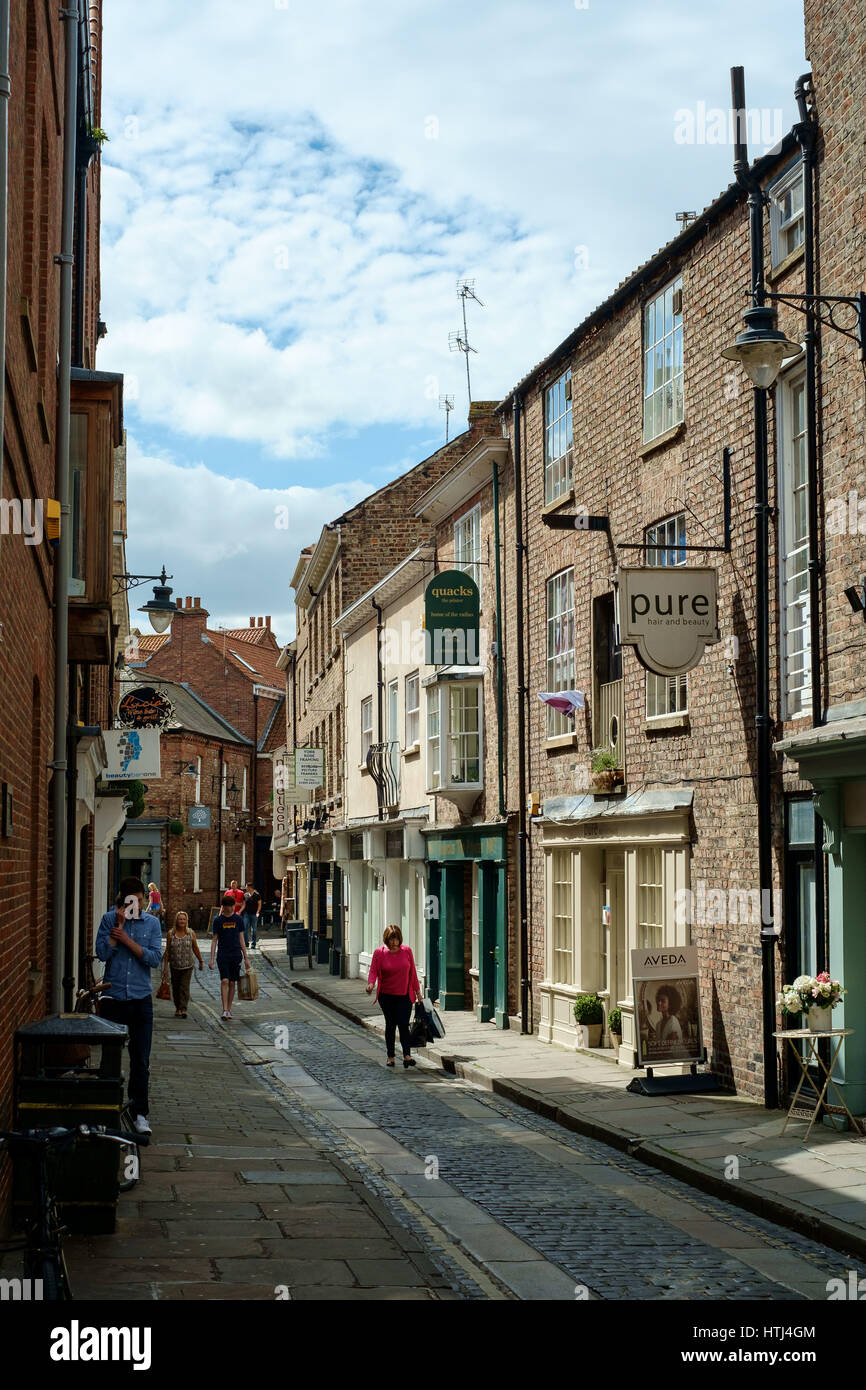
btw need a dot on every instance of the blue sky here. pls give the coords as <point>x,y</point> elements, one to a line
<point>291,192</point>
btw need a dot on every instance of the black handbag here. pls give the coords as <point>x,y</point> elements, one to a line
<point>418,1035</point>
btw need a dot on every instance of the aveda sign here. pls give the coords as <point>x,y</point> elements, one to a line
<point>668,614</point>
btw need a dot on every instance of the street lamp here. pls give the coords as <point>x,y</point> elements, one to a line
<point>762,348</point>
<point>160,610</point>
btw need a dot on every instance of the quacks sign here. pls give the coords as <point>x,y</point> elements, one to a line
<point>451,616</point>
<point>668,613</point>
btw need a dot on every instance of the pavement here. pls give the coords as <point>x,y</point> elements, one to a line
<point>722,1144</point>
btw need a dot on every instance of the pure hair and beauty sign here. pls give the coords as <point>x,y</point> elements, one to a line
<point>668,613</point>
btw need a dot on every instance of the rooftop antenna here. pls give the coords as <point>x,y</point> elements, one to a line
<point>457,341</point>
<point>446,403</point>
<point>686,218</point>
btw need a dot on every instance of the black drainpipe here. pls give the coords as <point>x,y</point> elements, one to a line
<point>521,721</point>
<point>380,687</point>
<point>806,133</point>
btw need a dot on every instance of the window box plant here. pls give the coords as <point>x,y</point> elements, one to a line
<point>589,1017</point>
<point>605,769</point>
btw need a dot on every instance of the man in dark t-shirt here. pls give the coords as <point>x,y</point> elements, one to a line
<point>229,948</point>
<point>251,909</point>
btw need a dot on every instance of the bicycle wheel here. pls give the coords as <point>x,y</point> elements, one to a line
<point>126,1183</point>
<point>55,1280</point>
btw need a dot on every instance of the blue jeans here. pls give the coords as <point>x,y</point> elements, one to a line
<point>137,1014</point>
<point>249,920</point>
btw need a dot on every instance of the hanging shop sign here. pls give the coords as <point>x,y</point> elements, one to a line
<point>145,708</point>
<point>287,793</point>
<point>199,818</point>
<point>132,755</point>
<point>667,1005</point>
<point>309,767</point>
<point>451,615</point>
<point>668,613</point>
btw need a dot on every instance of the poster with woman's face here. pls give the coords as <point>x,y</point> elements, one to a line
<point>668,1021</point>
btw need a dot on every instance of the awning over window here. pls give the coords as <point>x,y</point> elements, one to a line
<point>645,803</point>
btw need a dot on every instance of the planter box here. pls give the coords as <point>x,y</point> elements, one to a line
<point>589,1034</point>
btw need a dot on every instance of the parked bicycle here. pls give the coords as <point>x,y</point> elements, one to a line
<point>43,1150</point>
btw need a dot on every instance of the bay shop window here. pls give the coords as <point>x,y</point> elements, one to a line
<point>606,893</point>
<point>454,737</point>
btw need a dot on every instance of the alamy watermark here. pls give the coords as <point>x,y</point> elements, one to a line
<point>25,518</point>
<point>703,906</point>
<point>713,125</point>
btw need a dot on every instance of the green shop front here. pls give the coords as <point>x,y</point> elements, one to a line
<point>467,941</point>
<point>832,757</point>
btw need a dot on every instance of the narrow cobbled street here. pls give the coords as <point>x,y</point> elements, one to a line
<point>287,1162</point>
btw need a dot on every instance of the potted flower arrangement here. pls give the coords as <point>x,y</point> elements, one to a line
<point>816,996</point>
<point>606,772</point>
<point>589,1017</point>
<point>614,1026</point>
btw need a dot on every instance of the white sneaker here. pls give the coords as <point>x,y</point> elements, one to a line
<point>224,1014</point>
<point>141,1126</point>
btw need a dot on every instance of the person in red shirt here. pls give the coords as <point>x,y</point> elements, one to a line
<point>236,893</point>
<point>393,970</point>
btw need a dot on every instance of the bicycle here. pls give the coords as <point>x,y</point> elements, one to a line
<point>87,999</point>
<point>44,1261</point>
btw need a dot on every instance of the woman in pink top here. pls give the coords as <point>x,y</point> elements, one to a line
<point>393,969</point>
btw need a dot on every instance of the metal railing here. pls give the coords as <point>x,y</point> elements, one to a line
<point>608,724</point>
<point>383,764</point>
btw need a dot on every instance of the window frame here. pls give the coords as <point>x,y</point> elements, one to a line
<point>393,707</point>
<point>470,521</point>
<point>646,884</point>
<point>779,226</point>
<point>799,707</point>
<point>558,482</point>
<point>412,711</point>
<point>558,933</point>
<point>441,765</point>
<point>557,724</point>
<point>657,422</point>
<point>671,552</point>
<point>366,729</point>
<point>434,763</point>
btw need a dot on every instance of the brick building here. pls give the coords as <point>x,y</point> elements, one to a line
<point>38,970</point>
<point>233,672</point>
<point>350,555</point>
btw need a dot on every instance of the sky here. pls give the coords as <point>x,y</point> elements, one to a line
<point>291,192</point>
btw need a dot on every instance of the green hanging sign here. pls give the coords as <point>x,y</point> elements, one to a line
<point>451,616</point>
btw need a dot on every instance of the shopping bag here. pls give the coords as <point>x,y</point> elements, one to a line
<point>248,985</point>
<point>418,1035</point>
<point>164,991</point>
<point>435,1026</point>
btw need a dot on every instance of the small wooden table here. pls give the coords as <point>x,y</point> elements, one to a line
<point>796,1035</point>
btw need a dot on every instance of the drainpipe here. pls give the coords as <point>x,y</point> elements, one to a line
<point>522,836</point>
<point>5,92</point>
<point>255,780</point>
<point>499,676</point>
<point>806,133</point>
<point>60,810</point>
<point>219,848</point>
<point>380,688</point>
<point>763,724</point>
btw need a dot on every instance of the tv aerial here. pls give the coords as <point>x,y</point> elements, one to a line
<point>459,341</point>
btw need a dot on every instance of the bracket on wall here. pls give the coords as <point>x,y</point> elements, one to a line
<point>724,549</point>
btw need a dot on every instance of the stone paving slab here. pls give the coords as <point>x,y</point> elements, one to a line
<point>688,1136</point>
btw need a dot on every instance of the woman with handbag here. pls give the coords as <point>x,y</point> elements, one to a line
<point>180,947</point>
<point>393,970</point>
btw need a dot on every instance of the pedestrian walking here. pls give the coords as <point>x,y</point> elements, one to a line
<point>236,893</point>
<point>393,970</point>
<point>129,941</point>
<point>229,948</point>
<point>154,900</point>
<point>251,913</point>
<point>181,946</point>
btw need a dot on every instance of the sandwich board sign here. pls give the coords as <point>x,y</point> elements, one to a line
<point>667,1006</point>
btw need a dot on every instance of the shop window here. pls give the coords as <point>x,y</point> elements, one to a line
<point>650,898</point>
<point>474,922</point>
<point>562,917</point>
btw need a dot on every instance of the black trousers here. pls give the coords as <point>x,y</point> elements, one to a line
<point>137,1014</point>
<point>397,1009</point>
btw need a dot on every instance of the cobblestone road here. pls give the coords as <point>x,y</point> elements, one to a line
<point>511,1185</point>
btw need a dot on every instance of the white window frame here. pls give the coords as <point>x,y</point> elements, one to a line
<point>650,870</point>
<point>662,359</point>
<point>243,878</point>
<point>196,867</point>
<point>459,740</point>
<point>558,439</point>
<point>222,865</point>
<point>412,712</point>
<point>467,544</point>
<point>785,228</point>
<point>366,727</point>
<point>561,918</point>
<point>793,555</point>
<point>560,657</point>
<point>434,738</point>
<point>198,781</point>
<point>224,789</point>
<point>244,806</point>
<point>393,711</point>
<point>666,542</point>
<point>475,927</point>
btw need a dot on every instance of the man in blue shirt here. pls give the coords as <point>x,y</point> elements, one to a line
<point>130,942</point>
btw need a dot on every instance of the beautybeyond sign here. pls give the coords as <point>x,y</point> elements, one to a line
<point>668,613</point>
